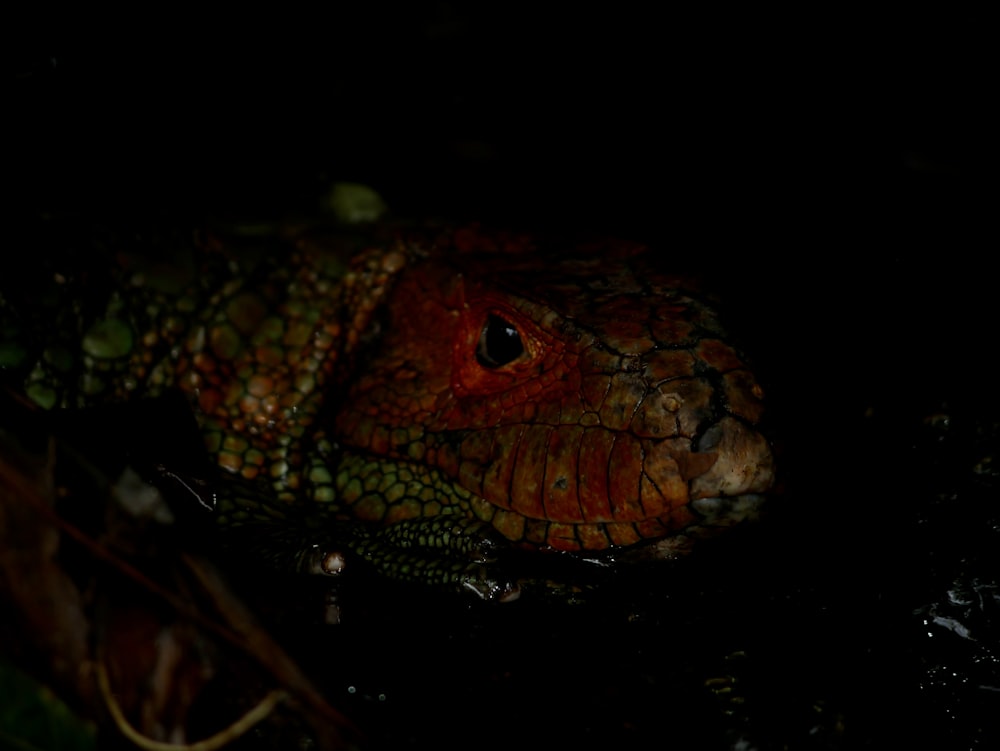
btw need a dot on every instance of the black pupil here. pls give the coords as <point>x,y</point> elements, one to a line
<point>499,343</point>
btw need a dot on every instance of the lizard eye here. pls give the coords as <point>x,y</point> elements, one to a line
<point>499,343</point>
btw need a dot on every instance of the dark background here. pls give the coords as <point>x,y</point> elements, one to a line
<point>743,123</point>
<point>834,173</point>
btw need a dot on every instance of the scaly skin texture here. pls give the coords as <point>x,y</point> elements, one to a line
<point>626,407</point>
<point>572,399</point>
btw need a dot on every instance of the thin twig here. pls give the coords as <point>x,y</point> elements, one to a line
<point>225,736</point>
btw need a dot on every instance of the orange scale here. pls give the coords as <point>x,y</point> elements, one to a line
<point>234,394</point>
<point>360,322</point>
<point>297,335</point>
<point>532,388</point>
<point>561,497</point>
<point>269,405</point>
<point>510,525</point>
<point>593,537</point>
<point>204,362</point>
<point>594,487</point>
<point>624,467</point>
<point>379,440</point>
<point>527,485</point>
<point>249,404</point>
<point>232,462</point>
<point>650,528</point>
<point>269,355</point>
<point>528,411</point>
<point>290,399</point>
<point>562,537</point>
<point>260,385</point>
<point>209,401</point>
<point>304,382</point>
<point>622,534</point>
<point>536,531</point>
<point>718,354</point>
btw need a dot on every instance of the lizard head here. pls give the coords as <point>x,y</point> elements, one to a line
<point>584,400</point>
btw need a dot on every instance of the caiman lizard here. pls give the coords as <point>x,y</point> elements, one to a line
<point>436,394</point>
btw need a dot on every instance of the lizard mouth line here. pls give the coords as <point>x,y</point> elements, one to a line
<point>706,517</point>
<point>713,511</point>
